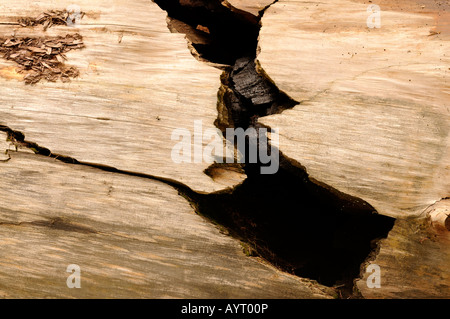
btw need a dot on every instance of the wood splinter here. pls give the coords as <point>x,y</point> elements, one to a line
<point>439,214</point>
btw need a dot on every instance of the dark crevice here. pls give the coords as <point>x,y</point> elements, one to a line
<point>246,95</point>
<point>229,38</point>
<point>226,35</point>
<point>301,226</point>
<point>17,138</point>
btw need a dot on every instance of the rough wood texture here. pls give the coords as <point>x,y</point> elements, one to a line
<point>414,263</point>
<point>439,215</point>
<point>132,238</point>
<point>138,83</point>
<point>374,118</point>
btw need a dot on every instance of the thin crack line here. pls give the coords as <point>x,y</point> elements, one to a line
<point>18,139</point>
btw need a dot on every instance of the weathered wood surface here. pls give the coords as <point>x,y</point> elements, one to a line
<point>138,83</point>
<point>131,237</point>
<point>373,122</point>
<point>414,263</point>
<point>374,118</point>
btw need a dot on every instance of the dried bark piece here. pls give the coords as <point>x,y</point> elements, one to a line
<point>48,19</point>
<point>44,56</point>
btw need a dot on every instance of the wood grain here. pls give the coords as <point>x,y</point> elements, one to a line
<point>131,237</point>
<point>374,118</point>
<point>413,263</point>
<point>439,215</point>
<point>138,83</point>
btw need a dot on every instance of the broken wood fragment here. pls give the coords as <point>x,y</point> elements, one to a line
<point>439,214</point>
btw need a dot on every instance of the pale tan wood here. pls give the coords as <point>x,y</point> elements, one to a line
<point>374,118</point>
<point>439,214</point>
<point>138,83</point>
<point>414,263</point>
<point>4,147</point>
<point>131,237</point>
